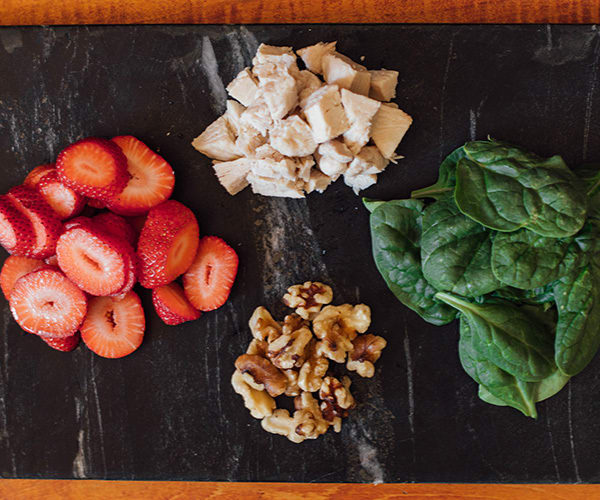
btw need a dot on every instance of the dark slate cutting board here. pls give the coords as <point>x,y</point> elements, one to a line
<point>168,411</point>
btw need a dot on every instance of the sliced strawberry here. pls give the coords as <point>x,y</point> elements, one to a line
<point>96,203</point>
<point>95,261</point>
<point>16,231</point>
<point>151,178</point>
<point>115,225</point>
<point>93,167</point>
<point>208,281</point>
<point>78,221</point>
<point>64,344</point>
<point>132,275</point>
<point>167,244</point>
<point>172,306</point>
<point>46,302</point>
<point>37,174</point>
<point>113,327</point>
<point>14,267</point>
<point>65,202</point>
<point>46,224</point>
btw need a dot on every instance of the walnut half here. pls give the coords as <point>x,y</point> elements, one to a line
<point>336,400</point>
<point>262,373</point>
<point>366,350</point>
<point>259,403</point>
<point>308,298</point>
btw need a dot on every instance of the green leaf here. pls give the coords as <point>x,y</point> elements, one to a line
<point>541,295</point>
<point>455,251</point>
<point>396,236</point>
<point>509,336</point>
<point>371,205</point>
<point>446,177</point>
<point>505,188</point>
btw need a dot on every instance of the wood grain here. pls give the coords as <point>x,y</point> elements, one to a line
<point>20,489</point>
<point>27,12</point>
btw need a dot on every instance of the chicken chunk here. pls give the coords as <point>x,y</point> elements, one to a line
<point>306,83</point>
<point>313,55</point>
<point>325,114</point>
<point>275,187</point>
<point>305,167</point>
<point>360,182</point>
<point>344,72</point>
<point>383,84</point>
<point>330,167</point>
<point>248,140</point>
<point>233,115</point>
<point>318,181</point>
<point>368,161</point>
<point>243,87</point>
<point>217,141</point>
<point>293,137</point>
<point>280,56</point>
<point>336,150</point>
<point>258,116</point>
<point>388,128</point>
<point>279,93</point>
<point>360,111</point>
<point>232,174</point>
<point>275,169</point>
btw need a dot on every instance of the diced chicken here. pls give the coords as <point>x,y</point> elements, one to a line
<point>368,161</point>
<point>275,169</point>
<point>336,150</point>
<point>217,141</point>
<point>318,181</point>
<point>248,140</point>
<point>390,104</point>
<point>307,83</point>
<point>232,174</point>
<point>325,114</point>
<point>267,151</point>
<point>383,84</point>
<point>233,116</point>
<point>280,56</point>
<point>279,93</point>
<point>258,116</point>
<point>388,128</point>
<point>305,167</point>
<point>243,87</point>
<point>313,55</point>
<point>330,167</point>
<point>360,182</point>
<point>275,187</point>
<point>360,111</point>
<point>344,72</point>
<point>293,137</point>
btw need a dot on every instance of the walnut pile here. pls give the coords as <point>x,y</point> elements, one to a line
<point>292,358</point>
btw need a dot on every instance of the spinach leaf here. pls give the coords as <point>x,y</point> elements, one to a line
<point>578,329</point>
<point>526,260</point>
<point>509,336</point>
<point>500,384</point>
<point>455,251</point>
<point>371,205</point>
<point>505,188</point>
<point>541,295</point>
<point>396,236</point>
<point>446,177</point>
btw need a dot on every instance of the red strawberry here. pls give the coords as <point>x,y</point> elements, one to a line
<point>64,344</point>
<point>37,174</point>
<point>172,306</point>
<point>93,167</point>
<point>78,221</point>
<point>16,231</point>
<point>65,202</point>
<point>151,178</point>
<point>115,225</point>
<point>208,281</point>
<point>46,225</point>
<point>14,267</point>
<point>96,203</point>
<point>113,327</point>
<point>95,261</point>
<point>46,302</point>
<point>167,244</point>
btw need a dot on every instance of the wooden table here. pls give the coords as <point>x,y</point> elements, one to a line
<point>34,12</point>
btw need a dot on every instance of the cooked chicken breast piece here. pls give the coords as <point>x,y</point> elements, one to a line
<point>292,137</point>
<point>313,55</point>
<point>248,140</point>
<point>388,128</point>
<point>330,167</point>
<point>233,115</point>
<point>344,72</point>
<point>280,56</point>
<point>217,141</point>
<point>360,111</point>
<point>368,161</point>
<point>360,182</point>
<point>383,84</point>
<point>258,116</point>
<point>275,187</point>
<point>278,90</point>
<point>274,169</point>
<point>232,174</point>
<point>325,114</point>
<point>336,150</point>
<point>306,83</point>
<point>318,181</point>
<point>304,167</point>
<point>243,87</point>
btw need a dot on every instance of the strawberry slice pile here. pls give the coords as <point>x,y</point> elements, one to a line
<point>84,231</point>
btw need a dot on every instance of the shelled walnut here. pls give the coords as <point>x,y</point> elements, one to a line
<point>286,358</point>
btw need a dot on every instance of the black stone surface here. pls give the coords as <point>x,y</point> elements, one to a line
<point>168,411</point>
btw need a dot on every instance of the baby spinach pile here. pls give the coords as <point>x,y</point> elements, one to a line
<point>510,246</point>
